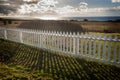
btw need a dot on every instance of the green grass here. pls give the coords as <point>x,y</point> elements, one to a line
<point>105,34</point>
<point>29,63</point>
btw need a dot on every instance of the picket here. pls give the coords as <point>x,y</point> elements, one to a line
<point>95,47</point>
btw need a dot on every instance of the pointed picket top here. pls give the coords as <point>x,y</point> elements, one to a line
<point>116,38</point>
<point>63,33</point>
<point>70,33</point>
<point>41,31</point>
<point>74,35</point>
<point>99,37</point>
<point>54,33</point>
<point>78,34</point>
<point>33,31</point>
<point>105,37</point>
<point>86,35</point>
<point>110,38</point>
<point>48,32</point>
<point>94,36</point>
<point>36,30</point>
<point>81,35</point>
<point>90,36</point>
<point>60,33</point>
<point>57,33</point>
<point>66,34</point>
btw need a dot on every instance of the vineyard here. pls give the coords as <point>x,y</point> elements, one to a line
<point>42,64</point>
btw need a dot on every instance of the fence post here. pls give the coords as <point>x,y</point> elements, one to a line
<point>99,47</point>
<point>47,39</point>
<point>58,43</point>
<point>109,48</point>
<point>21,36</point>
<point>74,43</point>
<point>39,37</point>
<point>94,50</point>
<point>64,46</point>
<point>70,50</point>
<point>61,42</point>
<point>90,45</point>
<point>81,44</point>
<point>5,33</point>
<point>67,42</point>
<point>77,43</point>
<point>115,48</point>
<point>119,55</point>
<point>86,44</point>
<point>104,48</point>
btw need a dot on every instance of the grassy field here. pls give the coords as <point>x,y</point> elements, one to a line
<point>66,26</point>
<point>29,63</point>
<point>99,26</point>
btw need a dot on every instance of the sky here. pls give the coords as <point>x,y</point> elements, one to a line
<point>61,8</point>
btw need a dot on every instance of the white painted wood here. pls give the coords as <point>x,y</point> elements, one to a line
<point>74,43</point>
<point>119,55</point>
<point>81,44</point>
<point>5,33</point>
<point>38,38</point>
<point>47,36</point>
<point>115,49</point>
<point>61,42</point>
<point>41,37</point>
<point>67,42</point>
<point>84,44</point>
<point>99,47</point>
<point>104,49</point>
<point>109,48</point>
<point>94,49</point>
<point>58,43</point>
<point>77,44</point>
<point>70,47</point>
<point>90,45</point>
<point>21,36</point>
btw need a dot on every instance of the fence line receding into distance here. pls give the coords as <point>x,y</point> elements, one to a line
<point>103,48</point>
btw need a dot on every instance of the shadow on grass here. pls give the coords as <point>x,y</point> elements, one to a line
<point>59,66</point>
<point>7,50</point>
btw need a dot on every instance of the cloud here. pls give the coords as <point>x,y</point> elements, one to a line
<point>5,4</point>
<point>66,9</point>
<point>43,6</point>
<point>114,1</point>
<point>50,7</point>
<point>29,0</point>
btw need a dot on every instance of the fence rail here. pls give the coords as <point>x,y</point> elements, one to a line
<point>103,48</point>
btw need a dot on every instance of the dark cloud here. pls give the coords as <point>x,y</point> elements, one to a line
<point>7,6</point>
<point>6,9</point>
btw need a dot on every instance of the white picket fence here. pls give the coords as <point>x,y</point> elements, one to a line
<point>103,48</point>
